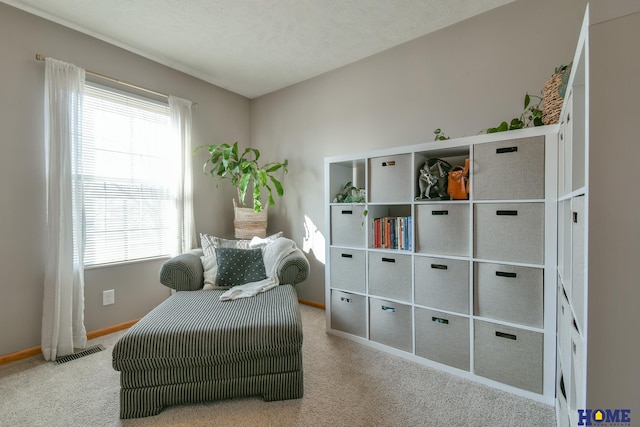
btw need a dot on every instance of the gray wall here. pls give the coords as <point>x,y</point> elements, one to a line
<point>613,341</point>
<point>221,116</point>
<point>464,78</point>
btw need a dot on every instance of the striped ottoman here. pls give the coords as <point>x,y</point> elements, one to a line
<point>194,347</point>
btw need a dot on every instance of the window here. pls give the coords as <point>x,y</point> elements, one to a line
<point>129,168</point>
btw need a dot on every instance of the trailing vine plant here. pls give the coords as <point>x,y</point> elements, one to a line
<point>440,136</point>
<point>532,113</point>
<point>531,116</point>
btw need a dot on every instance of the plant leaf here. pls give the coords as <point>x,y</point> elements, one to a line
<point>243,183</point>
<point>256,153</point>
<point>274,168</point>
<point>257,203</point>
<point>262,176</point>
<point>562,90</point>
<point>278,186</point>
<point>270,199</point>
<point>234,150</point>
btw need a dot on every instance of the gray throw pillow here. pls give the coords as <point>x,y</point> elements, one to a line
<point>239,266</point>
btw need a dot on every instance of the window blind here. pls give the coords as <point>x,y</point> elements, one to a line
<point>129,171</point>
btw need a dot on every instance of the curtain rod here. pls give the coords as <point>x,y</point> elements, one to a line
<point>40,57</point>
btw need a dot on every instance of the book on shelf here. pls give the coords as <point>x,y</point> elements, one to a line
<point>393,233</point>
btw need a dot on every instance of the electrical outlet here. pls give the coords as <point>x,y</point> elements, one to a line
<point>108,297</point>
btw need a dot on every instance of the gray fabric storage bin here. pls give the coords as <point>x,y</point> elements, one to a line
<point>510,293</point>
<point>442,337</point>
<point>442,283</point>
<point>509,232</point>
<point>348,269</point>
<point>562,385</point>
<point>577,366</point>
<point>348,225</point>
<point>390,275</point>
<point>443,229</point>
<point>349,313</point>
<point>390,324</point>
<point>577,258</point>
<point>509,355</point>
<point>390,178</point>
<point>509,170</point>
<point>561,239</point>
<point>565,244</point>
<point>564,330</point>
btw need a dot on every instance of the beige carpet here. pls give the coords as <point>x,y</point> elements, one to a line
<point>346,384</point>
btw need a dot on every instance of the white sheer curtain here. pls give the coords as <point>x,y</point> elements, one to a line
<point>63,306</point>
<point>181,124</point>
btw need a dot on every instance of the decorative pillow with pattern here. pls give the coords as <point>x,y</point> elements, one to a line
<point>239,266</point>
<point>209,243</point>
<point>210,267</point>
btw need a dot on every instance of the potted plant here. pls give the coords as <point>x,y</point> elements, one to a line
<point>531,116</point>
<point>242,169</point>
<point>553,93</point>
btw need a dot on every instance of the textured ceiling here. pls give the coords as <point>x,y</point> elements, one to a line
<point>253,47</point>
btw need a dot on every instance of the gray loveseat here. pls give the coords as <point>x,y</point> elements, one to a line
<point>194,347</point>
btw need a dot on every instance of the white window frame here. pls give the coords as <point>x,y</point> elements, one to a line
<point>130,175</point>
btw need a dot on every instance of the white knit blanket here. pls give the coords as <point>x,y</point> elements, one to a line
<point>272,255</point>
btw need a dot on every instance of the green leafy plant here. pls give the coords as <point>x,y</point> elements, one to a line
<point>531,116</point>
<point>226,162</point>
<point>440,136</point>
<point>566,72</point>
<point>350,194</point>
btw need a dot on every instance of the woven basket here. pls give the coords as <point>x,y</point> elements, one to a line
<point>249,223</point>
<point>551,100</point>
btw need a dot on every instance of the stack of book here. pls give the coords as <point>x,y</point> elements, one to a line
<point>393,233</point>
